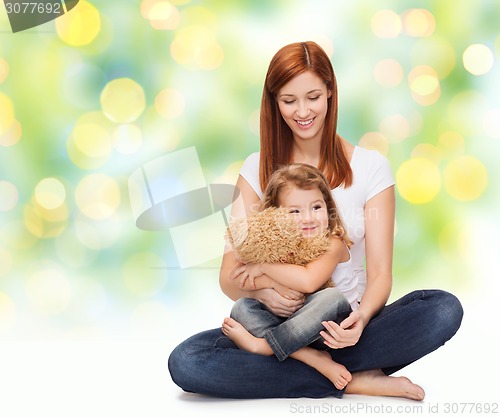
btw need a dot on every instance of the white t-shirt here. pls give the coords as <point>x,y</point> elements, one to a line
<point>371,175</point>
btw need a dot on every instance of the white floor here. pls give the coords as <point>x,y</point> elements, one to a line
<point>130,378</point>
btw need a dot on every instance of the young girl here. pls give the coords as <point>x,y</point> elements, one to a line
<point>303,190</point>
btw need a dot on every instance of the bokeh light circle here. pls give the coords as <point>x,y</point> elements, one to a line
<point>388,72</point>
<point>9,196</point>
<point>428,151</point>
<point>97,196</point>
<point>170,103</point>
<point>418,180</point>
<point>123,100</point>
<point>11,135</point>
<point>478,59</point>
<point>80,26</point>
<point>7,113</point>
<point>90,144</point>
<point>45,223</point>
<point>92,140</point>
<point>424,85</point>
<point>162,15</point>
<point>386,24</point>
<point>195,47</point>
<point>465,178</point>
<point>4,70</point>
<point>375,141</point>
<point>395,128</point>
<point>418,22</point>
<point>50,193</point>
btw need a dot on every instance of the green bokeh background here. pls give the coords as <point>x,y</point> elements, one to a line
<point>58,284</point>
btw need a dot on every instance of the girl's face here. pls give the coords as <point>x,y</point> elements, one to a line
<point>308,208</point>
<point>303,105</point>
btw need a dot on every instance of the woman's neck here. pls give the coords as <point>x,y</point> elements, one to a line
<point>306,151</point>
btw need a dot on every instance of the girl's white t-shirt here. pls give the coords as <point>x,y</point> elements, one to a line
<point>371,175</point>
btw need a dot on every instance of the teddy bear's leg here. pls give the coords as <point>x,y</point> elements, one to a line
<point>302,328</point>
<point>254,316</point>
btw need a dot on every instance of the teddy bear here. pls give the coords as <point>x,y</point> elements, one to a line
<point>271,236</point>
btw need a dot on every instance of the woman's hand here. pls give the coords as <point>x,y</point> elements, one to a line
<point>346,334</point>
<point>277,304</point>
<point>288,293</point>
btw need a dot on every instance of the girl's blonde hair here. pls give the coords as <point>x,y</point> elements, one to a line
<point>305,177</point>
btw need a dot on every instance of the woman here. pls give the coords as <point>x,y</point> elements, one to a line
<point>298,124</point>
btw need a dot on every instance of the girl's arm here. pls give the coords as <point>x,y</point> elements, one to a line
<point>379,242</point>
<point>265,282</point>
<point>306,279</point>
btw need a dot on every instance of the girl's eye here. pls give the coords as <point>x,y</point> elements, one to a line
<point>288,101</point>
<point>313,98</point>
<point>317,207</point>
<point>293,211</point>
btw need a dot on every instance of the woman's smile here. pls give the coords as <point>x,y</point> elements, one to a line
<point>305,124</point>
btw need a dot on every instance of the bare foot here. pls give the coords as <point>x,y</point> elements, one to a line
<point>375,382</point>
<point>335,372</point>
<point>245,340</point>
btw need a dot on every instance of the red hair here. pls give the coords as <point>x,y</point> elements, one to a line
<point>276,139</point>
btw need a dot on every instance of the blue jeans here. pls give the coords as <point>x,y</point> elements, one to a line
<point>404,331</point>
<point>287,335</point>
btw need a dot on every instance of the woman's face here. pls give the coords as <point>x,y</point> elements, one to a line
<point>307,207</point>
<point>303,105</point>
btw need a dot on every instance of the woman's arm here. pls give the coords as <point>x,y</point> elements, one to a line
<point>247,202</point>
<point>379,242</point>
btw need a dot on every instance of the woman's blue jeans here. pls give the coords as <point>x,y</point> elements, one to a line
<point>404,331</point>
<point>287,335</point>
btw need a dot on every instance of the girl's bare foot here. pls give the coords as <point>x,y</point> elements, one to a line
<point>335,372</point>
<point>375,382</point>
<point>243,339</point>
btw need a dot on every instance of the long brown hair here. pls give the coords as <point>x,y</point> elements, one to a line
<point>305,177</point>
<point>276,140</point>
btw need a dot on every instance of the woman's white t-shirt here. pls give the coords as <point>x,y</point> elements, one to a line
<point>371,175</point>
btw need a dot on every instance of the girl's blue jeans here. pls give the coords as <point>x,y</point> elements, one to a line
<point>302,328</point>
<point>404,331</point>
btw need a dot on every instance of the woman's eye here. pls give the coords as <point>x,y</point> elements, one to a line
<point>313,98</point>
<point>288,101</point>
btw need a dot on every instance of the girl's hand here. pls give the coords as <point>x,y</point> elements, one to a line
<point>252,271</point>
<point>246,273</point>
<point>277,304</point>
<point>346,334</point>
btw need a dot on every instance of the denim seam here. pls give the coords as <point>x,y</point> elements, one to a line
<point>278,352</point>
